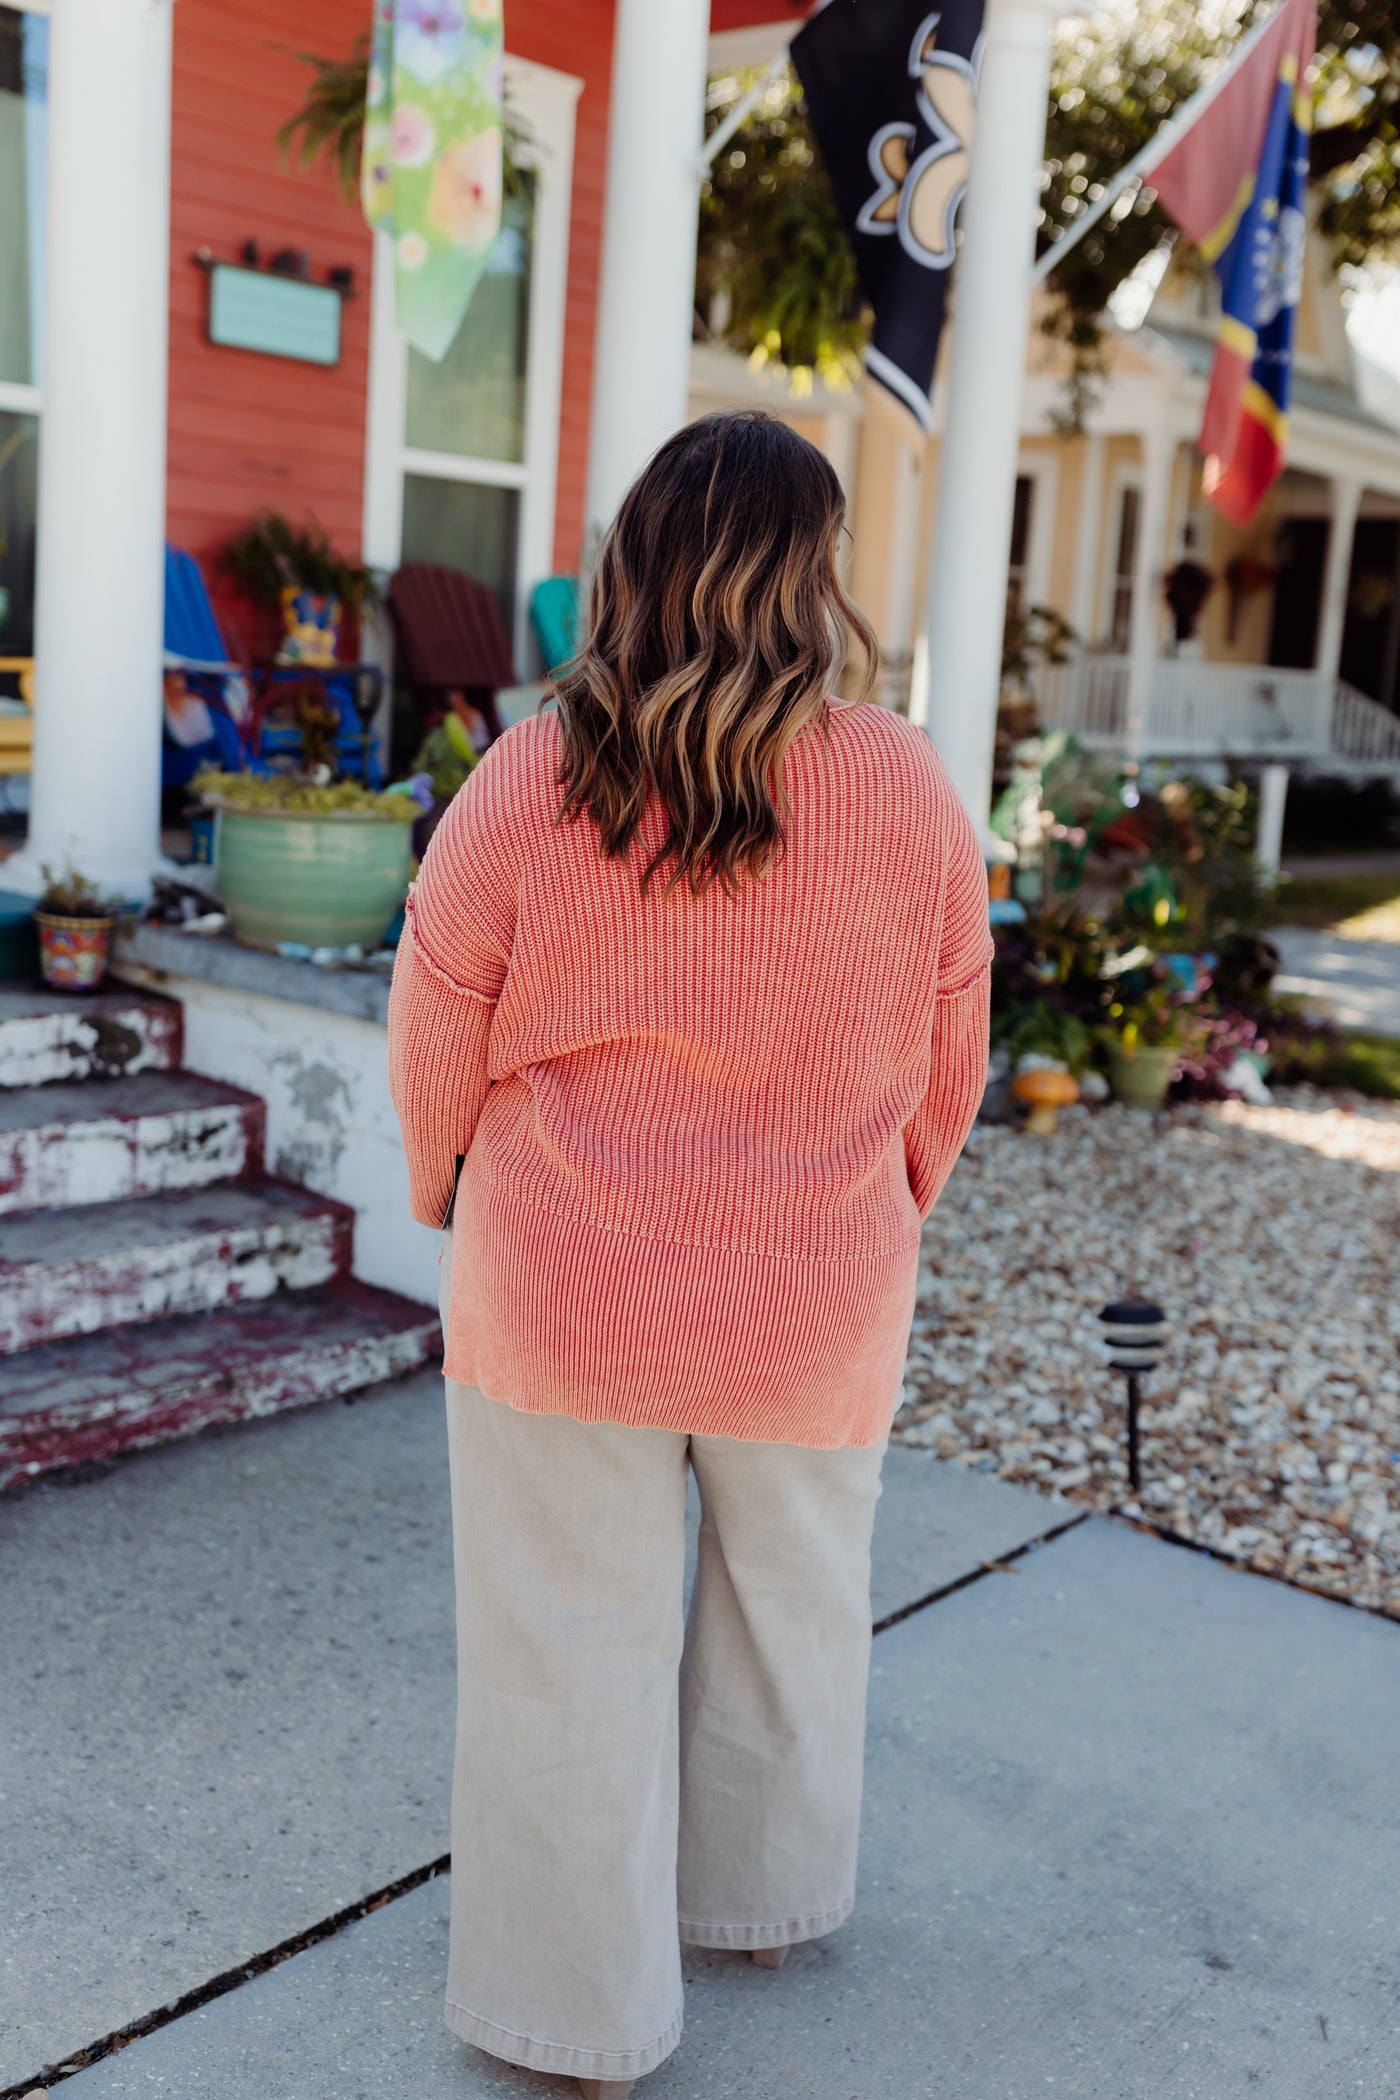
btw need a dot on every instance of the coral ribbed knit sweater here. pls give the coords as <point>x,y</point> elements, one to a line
<point>700,1134</point>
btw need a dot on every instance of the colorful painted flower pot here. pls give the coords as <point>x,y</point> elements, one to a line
<point>73,953</point>
<point>1140,1077</point>
<point>328,881</point>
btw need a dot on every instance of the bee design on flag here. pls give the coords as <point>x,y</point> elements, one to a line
<point>918,198</point>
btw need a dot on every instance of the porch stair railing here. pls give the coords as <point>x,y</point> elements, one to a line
<point>1211,710</point>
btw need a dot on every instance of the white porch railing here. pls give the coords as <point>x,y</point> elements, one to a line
<point>1205,710</point>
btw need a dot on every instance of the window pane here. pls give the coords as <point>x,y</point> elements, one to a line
<point>19,468</point>
<point>24,54</point>
<point>1128,531</point>
<point>1021,521</point>
<point>467,527</point>
<point>473,403</point>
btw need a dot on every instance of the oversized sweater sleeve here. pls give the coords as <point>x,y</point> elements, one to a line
<point>451,965</point>
<point>961,1019</point>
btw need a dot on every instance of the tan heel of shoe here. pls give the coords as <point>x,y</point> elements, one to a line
<point>770,1957</point>
<point>605,2088</point>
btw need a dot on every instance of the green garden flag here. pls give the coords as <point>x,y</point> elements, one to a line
<point>432,164</point>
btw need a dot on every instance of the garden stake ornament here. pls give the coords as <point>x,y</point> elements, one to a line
<point>1135,1340</point>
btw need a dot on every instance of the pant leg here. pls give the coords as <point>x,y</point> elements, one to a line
<point>773,1684</point>
<point>570,1548</point>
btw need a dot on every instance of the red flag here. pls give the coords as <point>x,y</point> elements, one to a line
<point>1236,185</point>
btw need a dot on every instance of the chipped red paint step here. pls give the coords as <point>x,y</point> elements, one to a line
<point>66,1403</point>
<point>104,1140</point>
<point>47,1036</point>
<point>68,1272</point>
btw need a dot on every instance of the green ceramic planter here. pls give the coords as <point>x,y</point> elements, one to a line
<point>328,881</point>
<point>1140,1077</point>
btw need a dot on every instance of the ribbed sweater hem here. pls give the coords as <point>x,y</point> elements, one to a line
<point>557,1316</point>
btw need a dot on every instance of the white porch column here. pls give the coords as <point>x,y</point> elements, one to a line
<point>957,675</point>
<point>1158,453</point>
<point>1346,502</point>
<point>646,296</point>
<point>95,787</point>
<point>1268,839</point>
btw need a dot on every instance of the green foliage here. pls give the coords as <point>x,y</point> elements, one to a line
<point>330,126</point>
<point>1032,637</point>
<point>287,794</point>
<point>1116,79</point>
<point>272,554</point>
<point>1045,1030</point>
<point>1156,1017</point>
<point>1363,907</point>
<point>775,273</point>
<point>447,755</point>
<point>1199,889</point>
<point>1368,1063</point>
<point>1119,75</point>
<point>74,896</point>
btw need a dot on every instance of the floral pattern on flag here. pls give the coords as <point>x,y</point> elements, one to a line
<point>431,173</point>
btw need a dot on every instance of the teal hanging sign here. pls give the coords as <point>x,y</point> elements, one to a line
<point>277,316</point>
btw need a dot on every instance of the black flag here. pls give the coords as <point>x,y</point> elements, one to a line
<point>890,88</point>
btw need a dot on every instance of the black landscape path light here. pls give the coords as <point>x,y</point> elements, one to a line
<point>1135,1338</point>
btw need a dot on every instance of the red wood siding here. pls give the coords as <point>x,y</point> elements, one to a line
<point>247,432</point>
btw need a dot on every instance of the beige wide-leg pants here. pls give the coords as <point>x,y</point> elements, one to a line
<point>624,1782</point>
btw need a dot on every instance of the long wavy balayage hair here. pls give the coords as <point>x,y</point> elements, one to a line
<point>716,625</point>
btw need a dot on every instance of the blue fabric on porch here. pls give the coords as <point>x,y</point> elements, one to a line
<point>554,617</point>
<point>192,632</point>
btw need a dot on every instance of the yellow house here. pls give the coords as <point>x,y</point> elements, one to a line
<point>1295,656</point>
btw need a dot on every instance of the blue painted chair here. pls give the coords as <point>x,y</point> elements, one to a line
<point>554,617</point>
<point>194,646</point>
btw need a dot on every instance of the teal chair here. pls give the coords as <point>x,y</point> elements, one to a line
<point>554,617</point>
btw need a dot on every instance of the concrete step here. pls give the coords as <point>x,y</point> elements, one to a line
<point>77,1271</point>
<point>69,1402</point>
<point>46,1035</point>
<point>103,1141</point>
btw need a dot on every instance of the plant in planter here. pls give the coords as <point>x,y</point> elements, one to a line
<point>295,571</point>
<point>75,932</point>
<point>324,865</point>
<point>1155,1033</point>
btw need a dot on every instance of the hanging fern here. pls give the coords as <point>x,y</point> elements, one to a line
<point>776,275</point>
<point>330,126</point>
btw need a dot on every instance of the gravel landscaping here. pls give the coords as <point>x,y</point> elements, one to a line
<point>1272,1238</point>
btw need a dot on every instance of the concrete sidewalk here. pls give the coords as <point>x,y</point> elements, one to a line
<point>1131,1824</point>
<point>237,1658</point>
<point>1357,981</point>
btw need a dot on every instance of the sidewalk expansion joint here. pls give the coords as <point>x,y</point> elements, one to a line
<point>259,1964</point>
<point>1240,1567</point>
<point>1002,1565</point>
<point>220,1986</point>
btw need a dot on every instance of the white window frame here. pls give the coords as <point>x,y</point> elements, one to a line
<point>1127,475</point>
<point>16,398</point>
<point>545,101</point>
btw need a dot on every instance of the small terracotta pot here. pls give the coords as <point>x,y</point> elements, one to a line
<point>73,953</point>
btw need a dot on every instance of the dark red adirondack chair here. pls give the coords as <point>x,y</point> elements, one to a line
<point>450,640</point>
